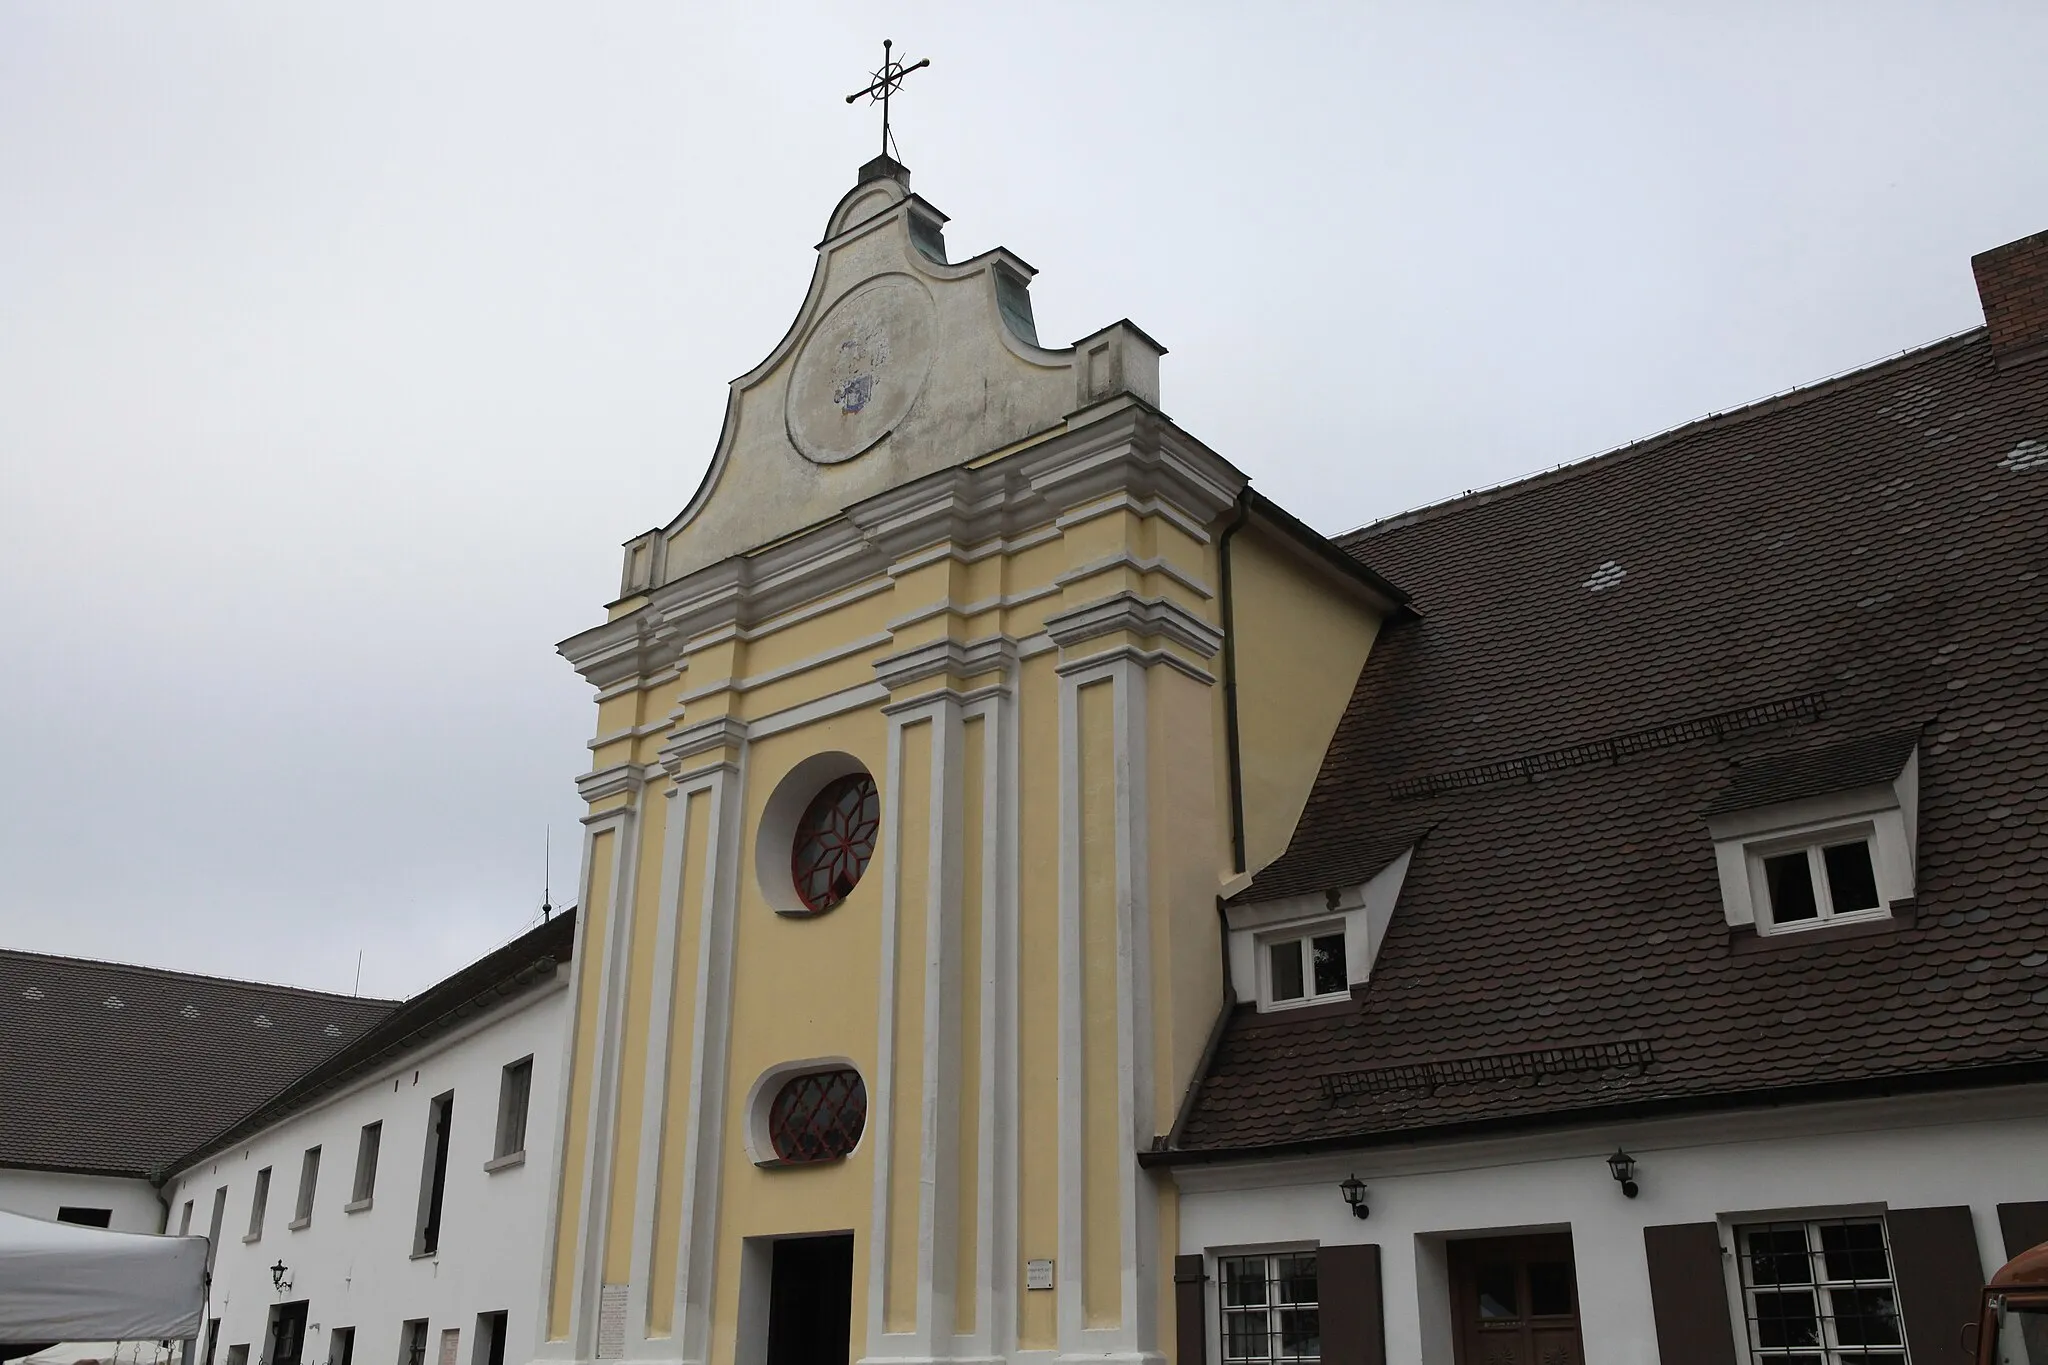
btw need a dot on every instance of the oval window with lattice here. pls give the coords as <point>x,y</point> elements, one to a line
<point>818,1116</point>
<point>834,841</point>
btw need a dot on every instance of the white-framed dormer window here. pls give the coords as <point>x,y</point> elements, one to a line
<point>1303,968</point>
<point>1312,948</point>
<point>1835,847</point>
<point>1822,877</point>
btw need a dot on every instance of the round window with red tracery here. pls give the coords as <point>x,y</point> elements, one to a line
<point>818,1116</point>
<point>834,841</point>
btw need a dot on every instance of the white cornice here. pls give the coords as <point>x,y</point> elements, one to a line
<point>690,741</point>
<point>1128,458</point>
<point>940,658</point>
<point>1145,617</point>
<point>618,779</point>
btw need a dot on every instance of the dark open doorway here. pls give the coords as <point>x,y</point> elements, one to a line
<point>810,1301</point>
<point>287,1334</point>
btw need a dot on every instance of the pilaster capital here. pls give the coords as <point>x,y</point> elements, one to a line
<point>1146,618</point>
<point>705,744</point>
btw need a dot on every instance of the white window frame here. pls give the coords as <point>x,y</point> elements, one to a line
<point>1215,1309</point>
<point>1737,1270</point>
<point>1300,935</point>
<point>1811,843</point>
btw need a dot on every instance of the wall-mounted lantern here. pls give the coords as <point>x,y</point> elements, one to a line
<point>1623,1167</point>
<point>280,1276</point>
<point>1354,1195</point>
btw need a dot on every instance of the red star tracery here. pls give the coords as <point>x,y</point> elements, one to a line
<point>818,1117</point>
<point>834,841</point>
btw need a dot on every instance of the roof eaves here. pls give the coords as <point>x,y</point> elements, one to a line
<point>1747,412</point>
<point>1331,554</point>
<point>2030,1072</point>
<point>395,1035</point>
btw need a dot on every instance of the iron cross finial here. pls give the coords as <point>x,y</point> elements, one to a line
<point>887,81</point>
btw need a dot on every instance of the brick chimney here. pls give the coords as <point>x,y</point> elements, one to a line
<point>2012,281</point>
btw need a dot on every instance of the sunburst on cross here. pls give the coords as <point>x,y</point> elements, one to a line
<point>888,79</point>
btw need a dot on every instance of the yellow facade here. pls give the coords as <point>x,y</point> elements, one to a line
<point>1005,606</point>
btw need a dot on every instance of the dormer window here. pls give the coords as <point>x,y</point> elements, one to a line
<point>1818,838</point>
<point>1823,881</point>
<point>1307,970</point>
<point>1314,948</point>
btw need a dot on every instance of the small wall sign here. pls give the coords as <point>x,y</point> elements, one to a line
<point>1038,1274</point>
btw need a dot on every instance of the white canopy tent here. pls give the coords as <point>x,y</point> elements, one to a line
<point>59,1282</point>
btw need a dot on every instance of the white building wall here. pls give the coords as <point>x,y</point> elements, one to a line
<point>357,1269</point>
<point>1979,1150</point>
<point>39,1194</point>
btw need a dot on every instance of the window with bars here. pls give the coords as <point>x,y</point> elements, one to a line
<point>834,841</point>
<point>1268,1307</point>
<point>818,1116</point>
<point>1820,1293</point>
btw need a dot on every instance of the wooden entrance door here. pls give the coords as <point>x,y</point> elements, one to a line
<point>1516,1301</point>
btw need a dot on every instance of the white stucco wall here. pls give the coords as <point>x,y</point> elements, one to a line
<point>39,1194</point>
<point>1980,1150</point>
<point>356,1269</point>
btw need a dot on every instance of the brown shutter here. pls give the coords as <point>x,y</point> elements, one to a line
<point>1190,1321</point>
<point>1689,1294</point>
<point>1352,1315</point>
<point>1934,1257</point>
<point>2023,1226</point>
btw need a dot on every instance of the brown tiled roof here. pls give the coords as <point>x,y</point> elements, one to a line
<point>525,962</point>
<point>111,1069</point>
<point>1852,568</point>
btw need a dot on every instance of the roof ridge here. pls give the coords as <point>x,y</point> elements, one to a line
<point>141,969</point>
<point>1772,402</point>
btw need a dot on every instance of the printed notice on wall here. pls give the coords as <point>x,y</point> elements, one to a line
<point>1038,1274</point>
<point>611,1322</point>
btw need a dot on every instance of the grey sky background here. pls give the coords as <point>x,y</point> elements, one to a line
<point>341,345</point>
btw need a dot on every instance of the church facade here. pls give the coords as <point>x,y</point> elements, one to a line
<point>988,594</point>
<point>1039,896</point>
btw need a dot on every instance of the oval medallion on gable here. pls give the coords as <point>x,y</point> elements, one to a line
<point>861,369</point>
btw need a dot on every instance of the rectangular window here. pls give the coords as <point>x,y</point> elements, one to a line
<point>309,1180</point>
<point>1825,880</point>
<point>412,1342</point>
<point>212,1339</point>
<point>86,1218</point>
<point>366,1164</point>
<point>257,1205</point>
<point>426,1238</point>
<point>1268,1306</point>
<point>1820,1293</point>
<point>488,1348</point>
<point>220,1211</point>
<point>1306,969</point>
<point>239,1355</point>
<point>341,1346</point>
<point>185,1220</point>
<point>513,1088</point>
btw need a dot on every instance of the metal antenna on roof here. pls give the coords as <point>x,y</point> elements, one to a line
<point>547,873</point>
<point>357,989</point>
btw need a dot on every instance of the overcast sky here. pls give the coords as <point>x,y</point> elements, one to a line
<point>341,345</point>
